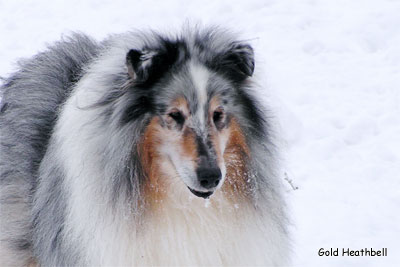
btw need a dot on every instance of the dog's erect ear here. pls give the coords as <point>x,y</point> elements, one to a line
<point>238,62</point>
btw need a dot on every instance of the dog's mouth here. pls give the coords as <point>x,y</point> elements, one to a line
<point>201,194</point>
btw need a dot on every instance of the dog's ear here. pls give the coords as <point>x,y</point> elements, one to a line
<point>147,66</point>
<point>140,64</point>
<point>237,62</point>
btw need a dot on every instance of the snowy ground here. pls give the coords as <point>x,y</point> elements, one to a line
<point>331,71</point>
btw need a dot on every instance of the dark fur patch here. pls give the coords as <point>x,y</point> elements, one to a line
<point>150,64</point>
<point>236,64</point>
<point>253,115</point>
<point>3,107</point>
<point>140,106</point>
<point>32,97</point>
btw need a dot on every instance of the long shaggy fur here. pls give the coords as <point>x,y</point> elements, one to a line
<point>78,126</point>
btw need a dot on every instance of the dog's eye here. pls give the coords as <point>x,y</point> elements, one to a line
<point>177,116</point>
<point>217,116</point>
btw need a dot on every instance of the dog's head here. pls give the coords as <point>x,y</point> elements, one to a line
<point>195,95</point>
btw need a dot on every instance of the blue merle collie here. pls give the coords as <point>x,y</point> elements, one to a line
<point>143,149</point>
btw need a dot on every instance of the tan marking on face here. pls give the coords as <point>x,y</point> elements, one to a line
<point>156,167</point>
<point>33,263</point>
<point>151,163</point>
<point>180,104</point>
<point>236,156</point>
<point>214,104</point>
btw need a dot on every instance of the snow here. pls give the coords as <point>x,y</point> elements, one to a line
<point>331,73</point>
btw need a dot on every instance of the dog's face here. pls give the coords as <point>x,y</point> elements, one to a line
<point>194,142</point>
<point>194,133</point>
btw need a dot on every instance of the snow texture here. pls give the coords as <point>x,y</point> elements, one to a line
<point>331,74</point>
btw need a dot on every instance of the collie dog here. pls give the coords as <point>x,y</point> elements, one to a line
<point>142,149</point>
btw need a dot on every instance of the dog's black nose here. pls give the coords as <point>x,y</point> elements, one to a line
<point>209,177</point>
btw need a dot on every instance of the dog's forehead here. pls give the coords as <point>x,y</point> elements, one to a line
<point>203,85</point>
<point>196,89</point>
<point>190,85</point>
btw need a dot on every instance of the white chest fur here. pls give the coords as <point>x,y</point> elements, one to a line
<point>201,232</point>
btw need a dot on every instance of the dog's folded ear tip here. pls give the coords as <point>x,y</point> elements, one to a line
<point>132,63</point>
<point>133,54</point>
<point>237,62</point>
<point>245,58</point>
<point>147,65</point>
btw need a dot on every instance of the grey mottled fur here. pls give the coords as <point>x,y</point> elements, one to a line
<point>30,100</point>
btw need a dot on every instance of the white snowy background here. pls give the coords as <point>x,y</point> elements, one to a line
<point>330,72</point>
